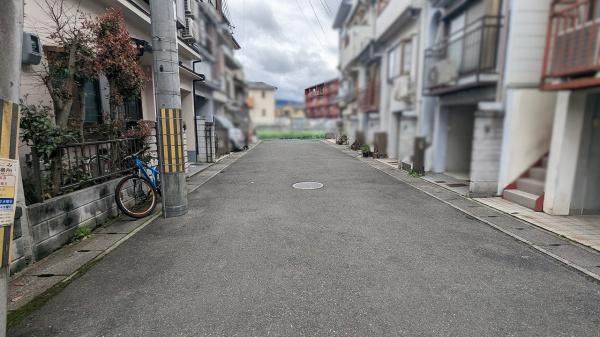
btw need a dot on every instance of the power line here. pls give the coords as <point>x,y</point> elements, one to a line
<point>326,6</point>
<point>317,17</point>
<point>308,21</point>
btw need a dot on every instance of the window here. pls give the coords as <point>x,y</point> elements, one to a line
<point>91,102</point>
<point>407,57</point>
<point>264,112</point>
<point>264,94</point>
<point>133,110</point>
<point>394,62</point>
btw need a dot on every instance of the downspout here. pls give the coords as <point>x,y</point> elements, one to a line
<point>504,29</point>
<point>194,108</point>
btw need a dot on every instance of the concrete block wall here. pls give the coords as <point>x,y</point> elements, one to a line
<point>54,222</point>
<point>202,141</point>
<point>486,152</point>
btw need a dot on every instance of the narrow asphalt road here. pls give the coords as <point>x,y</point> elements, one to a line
<point>364,256</point>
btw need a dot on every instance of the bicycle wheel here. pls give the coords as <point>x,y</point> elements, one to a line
<point>135,196</point>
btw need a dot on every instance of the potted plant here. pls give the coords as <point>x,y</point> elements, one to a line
<point>366,150</point>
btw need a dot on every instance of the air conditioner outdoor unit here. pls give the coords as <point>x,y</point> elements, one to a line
<point>189,32</point>
<point>443,72</point>
<point>404,89</point>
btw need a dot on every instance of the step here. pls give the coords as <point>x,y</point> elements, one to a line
<point>538,173</point>
<point>530,185</point>
<point>521,197</point>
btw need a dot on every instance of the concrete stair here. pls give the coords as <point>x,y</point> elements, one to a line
<point>528,191</point>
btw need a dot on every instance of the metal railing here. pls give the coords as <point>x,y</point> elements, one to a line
<point>471,51</point>
<point>572,46</point>
<point>79,165</point>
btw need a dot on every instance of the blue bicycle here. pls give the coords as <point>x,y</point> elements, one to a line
<point>137,194</point>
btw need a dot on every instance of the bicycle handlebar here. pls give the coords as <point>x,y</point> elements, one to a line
<point>138,153</point>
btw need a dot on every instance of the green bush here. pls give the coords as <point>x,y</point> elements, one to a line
<point>266,135</point>
<point>365,148</point>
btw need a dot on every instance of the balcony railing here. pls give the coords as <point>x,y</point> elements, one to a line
<point>571,60</point>
<point>466,58</point>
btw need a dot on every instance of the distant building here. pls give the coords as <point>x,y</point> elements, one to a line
<point>289,109</point>
<point>321,100</point>
<point>261,101</point>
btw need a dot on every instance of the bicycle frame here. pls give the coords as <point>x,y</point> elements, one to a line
<point>144,169</point>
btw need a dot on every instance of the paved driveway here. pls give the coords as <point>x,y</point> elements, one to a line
<point>365,256</point>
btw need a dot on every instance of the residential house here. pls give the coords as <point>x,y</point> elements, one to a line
<point>359,70</point>
<point>462,73</point>
<point>261,101</point>
<point>397,38</point>
<point>289,109</point>
<point>571,126</point>
<point>320,101</point>
<point>202,29</point>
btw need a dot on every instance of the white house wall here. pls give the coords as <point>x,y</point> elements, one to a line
<point>529,113</point>
<point>527,42</point>
<point>527,132</point>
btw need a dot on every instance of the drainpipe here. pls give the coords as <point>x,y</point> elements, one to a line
<point>503,34</point>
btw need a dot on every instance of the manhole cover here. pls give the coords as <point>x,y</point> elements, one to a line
<point>307,185</point>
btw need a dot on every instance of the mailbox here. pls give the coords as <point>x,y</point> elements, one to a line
<point>32,49</point>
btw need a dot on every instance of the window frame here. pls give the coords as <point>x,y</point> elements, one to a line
<point>406,43</point>
<point>396,50</point>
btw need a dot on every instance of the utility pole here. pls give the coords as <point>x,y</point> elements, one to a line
<point>11,35</point>
<point>168,106</point>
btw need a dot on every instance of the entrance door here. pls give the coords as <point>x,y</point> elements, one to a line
<point>586,192</point>
<point>592,187</point>
<point>460,141</point>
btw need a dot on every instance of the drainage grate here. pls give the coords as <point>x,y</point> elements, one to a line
<point>456,185</point>
<point>84,251</point>
<point>519,228</point>
<point>46,275</point>
<point>440,182</point>
<point>555,245</point>
<point>307,185</point>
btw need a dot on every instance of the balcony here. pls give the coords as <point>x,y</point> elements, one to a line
<point>467,58</point>
<point>571,60</point>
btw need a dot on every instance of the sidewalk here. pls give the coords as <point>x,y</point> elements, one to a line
<point>565,250</point>
<point>36,284</point>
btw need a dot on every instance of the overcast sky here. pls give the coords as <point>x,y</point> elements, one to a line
<point>283,44</point>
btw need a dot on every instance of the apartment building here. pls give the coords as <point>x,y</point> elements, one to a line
<point>320,101</point>
<point>359,70</point>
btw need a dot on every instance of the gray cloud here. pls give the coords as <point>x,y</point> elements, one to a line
<point>283,47</point>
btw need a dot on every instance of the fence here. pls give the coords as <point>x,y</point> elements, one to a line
<point>80,165</point>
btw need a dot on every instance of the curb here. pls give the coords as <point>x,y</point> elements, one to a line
<point>17,315</point>
<point>576,267</point>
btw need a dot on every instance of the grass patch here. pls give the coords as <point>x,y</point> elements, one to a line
<point>82,233</point>
<point>266,135</point>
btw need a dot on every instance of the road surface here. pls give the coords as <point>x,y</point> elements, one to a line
<point>365,256</point>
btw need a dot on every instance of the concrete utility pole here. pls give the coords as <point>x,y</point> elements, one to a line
<point>168,106</point>
<point>11,35</point>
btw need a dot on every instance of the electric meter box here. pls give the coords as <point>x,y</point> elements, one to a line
<point>32,49</point>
